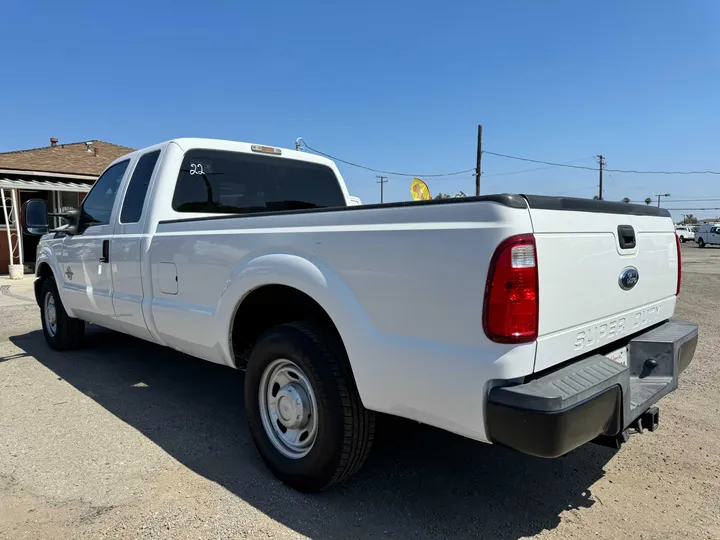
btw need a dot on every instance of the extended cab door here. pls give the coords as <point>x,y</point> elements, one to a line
<point>87,279</point>
<point>126,249</point>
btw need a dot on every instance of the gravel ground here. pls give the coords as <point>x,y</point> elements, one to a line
<point>124,439</point>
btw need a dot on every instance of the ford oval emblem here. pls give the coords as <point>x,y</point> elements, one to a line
<point>628,278</point>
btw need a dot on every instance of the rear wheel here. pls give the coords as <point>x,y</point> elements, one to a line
<point>701,243</point>
<point>303,408</point>
<point>62,332</point>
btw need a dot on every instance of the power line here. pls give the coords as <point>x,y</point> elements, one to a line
<point>550,164</point>
<point>584,167</point>
<point>518,172</point>
<point>381,171</point>
<point>695,200</point>
<point>673,208</point>
<point>536,168</point>
<point>575,190</point>
<point>626,171</point>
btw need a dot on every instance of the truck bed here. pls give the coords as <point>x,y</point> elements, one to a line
<point>407,281</point>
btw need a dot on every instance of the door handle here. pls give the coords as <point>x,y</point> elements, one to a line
<point>626,236</point>
<point>105,251</point>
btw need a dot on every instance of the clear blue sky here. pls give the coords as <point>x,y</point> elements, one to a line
<point>393,85</point>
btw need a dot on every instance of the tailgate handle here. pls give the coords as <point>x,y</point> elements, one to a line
<point>626,235</point>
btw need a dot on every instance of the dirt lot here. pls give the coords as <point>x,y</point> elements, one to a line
<point>127,440</point>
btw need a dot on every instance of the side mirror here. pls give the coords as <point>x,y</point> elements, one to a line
<point>73,218</point>
<point>34,217</point>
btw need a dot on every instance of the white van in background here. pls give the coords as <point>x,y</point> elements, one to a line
<point>708,234</point>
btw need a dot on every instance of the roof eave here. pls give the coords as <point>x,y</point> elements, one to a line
<point>69,176</point>
<point>43,185</point>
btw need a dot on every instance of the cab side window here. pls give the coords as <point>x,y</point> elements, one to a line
<point>137,188</point>
<point>97,206</point>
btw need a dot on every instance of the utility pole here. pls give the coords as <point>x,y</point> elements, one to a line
<point>477,163</point>
<point>601,161</point>
<point>382,183</point>
<point>658,195</point>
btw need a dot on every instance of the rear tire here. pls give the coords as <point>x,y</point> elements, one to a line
<point>62,332</point>
<point>304,411</point>
<point>701,243</point>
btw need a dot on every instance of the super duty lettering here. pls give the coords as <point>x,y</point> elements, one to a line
<point>597,335</point>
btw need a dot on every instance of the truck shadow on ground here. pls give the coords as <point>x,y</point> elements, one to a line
<point>419,482</point>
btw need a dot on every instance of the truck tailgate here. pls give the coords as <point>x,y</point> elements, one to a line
<point>597,286</point>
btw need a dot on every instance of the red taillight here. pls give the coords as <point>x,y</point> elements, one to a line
<point>510,313</point>
<point>677,243</point>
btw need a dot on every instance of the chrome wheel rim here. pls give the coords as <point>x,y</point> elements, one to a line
<point>50,314</point>
<point>288,408</point>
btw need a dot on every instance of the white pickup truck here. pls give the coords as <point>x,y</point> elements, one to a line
<point>536,323</point>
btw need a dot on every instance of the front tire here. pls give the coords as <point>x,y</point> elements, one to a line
<point>303,409</point>
<point>682,239</point>
<point>701,243</point>
<point>62,332</point>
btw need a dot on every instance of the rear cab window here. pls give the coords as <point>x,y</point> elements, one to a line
<point>220,181</point>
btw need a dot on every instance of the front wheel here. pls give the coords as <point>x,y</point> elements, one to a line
<point>682,239</point>
<point>701,243</point>
<point>62,332</point>
<point>303,409</point>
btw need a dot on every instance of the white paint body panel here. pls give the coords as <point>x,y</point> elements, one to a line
<point>404,285</point>
<point>88,293</point>
<point>390,279</point>
<point>580,262</point>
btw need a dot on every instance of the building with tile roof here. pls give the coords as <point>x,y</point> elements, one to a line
<point>80,158</point>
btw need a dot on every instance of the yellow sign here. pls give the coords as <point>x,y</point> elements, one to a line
<point>419,190</point>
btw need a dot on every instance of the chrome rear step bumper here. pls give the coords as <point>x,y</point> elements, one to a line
<point>594,397</point>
